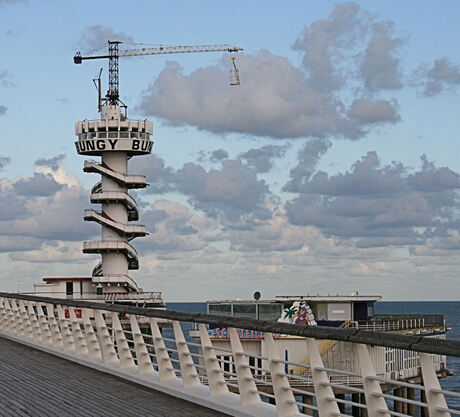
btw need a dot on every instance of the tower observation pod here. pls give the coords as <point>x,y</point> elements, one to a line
<point>115,139</point>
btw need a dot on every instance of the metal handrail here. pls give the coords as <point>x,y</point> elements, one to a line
<point>399,341</point>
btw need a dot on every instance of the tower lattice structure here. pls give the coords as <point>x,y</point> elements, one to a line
<point>115,139</point>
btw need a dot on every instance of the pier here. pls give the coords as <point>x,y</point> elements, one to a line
<point>102,358</point>
<point>35,383</point>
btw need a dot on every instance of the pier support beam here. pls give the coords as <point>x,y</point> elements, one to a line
<point>364,412</point>
<point>397,392</point>
<point>341,405</point>
<point>411,396</point>
<point>424,410</point>
<point>355,411</point>
<point>307,399</point>
<point>404,404</point>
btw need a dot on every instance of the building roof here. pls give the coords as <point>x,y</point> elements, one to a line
<point>67,279</point>
<point>329,298</point>
<point>310,298</point>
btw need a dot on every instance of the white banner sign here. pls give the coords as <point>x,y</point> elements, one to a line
<point>92,146</point>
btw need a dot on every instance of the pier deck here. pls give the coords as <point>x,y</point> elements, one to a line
<point>35,383</point>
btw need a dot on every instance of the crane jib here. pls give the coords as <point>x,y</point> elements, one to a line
<point>112,96</point>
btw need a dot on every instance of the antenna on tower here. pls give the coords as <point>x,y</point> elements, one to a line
<point>97,84</point>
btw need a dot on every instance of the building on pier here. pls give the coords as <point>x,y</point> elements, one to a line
<point>354,312</point>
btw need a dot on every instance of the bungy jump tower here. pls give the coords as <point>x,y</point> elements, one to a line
<point>116,139</point>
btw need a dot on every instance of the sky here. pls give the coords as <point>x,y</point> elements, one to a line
<point>333,167</point>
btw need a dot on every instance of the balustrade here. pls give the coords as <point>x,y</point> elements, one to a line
<point>231,380</point>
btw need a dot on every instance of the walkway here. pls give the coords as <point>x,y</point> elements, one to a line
<point>34,383</point>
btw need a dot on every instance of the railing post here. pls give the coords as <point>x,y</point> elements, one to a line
<point>25,320</point>
<point>18,318</point>
<point>35,327</point>
<point>11,317</point>
<point>3,314</point>
<point>325,399</point>
<point>80,341</point>
<point>215,375</point>
<point>105,340</point>
<point>189,374</point>
<point>247,386</point>
<point>124,352</point>
<point>434,400</point>
<point>144,363</point>
<point>164,363</point>
<point>371,386</point>
<point>285,401</point>
<point>67,339</point>
<point>44,327</point>
<point>92,343</point>
<point>11,323</point>
<point>54,327</point>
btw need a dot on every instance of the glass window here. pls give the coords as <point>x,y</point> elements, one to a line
<point>370,310</point>
<point>113,134</point>
<point>321,312</point>
<point>244,310</point>
<point>102,135</point>
<point>220,309</point>
<point>270,312</point>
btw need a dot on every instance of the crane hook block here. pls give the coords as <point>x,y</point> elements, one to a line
<point>77,58</point>
<point>234,74</point>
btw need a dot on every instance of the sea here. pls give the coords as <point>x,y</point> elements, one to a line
<point>449,309</point>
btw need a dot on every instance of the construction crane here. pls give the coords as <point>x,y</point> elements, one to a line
<point>113,94</point>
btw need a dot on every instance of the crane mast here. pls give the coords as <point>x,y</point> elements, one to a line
<point>113,94</point>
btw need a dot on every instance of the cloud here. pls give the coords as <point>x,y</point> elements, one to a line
<point>4,161</point>
<point>19,243</point>
<point>52,253</point>
<point>3,110</point>
<point>374,112</point>
<point>52,163</point>
<point>44,207</point>
<point>7,79</point>
<point>325,97</point>
<point>38,185</point>
<point>97,35</point>
<point>262,159</point>
<point>174,230</point>
<point>232,192</point>
<point>308,157</point>
<point>436,79</point>
<point>276,101</point>
<point>8,2</point>
<point>321,42</point>
<point>55,168</point>
<point>219,155</point>
<point>159,176</point>
<point>63,100</point>
<point>380,67</point>
<point>377,205</point>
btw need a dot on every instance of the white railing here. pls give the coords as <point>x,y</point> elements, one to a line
<point>230,380</point>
